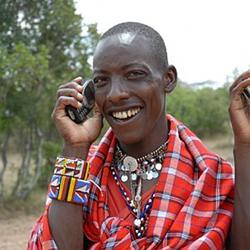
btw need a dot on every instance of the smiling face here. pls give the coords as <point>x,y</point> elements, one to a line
<point>130,89</point>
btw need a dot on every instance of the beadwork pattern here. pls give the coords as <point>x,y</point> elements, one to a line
<point>140,221</point>
<point>127,168</point>
<point>69,181</point>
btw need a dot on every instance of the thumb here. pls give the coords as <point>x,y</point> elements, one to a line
<point>97,112</point>
<point>97,115</point>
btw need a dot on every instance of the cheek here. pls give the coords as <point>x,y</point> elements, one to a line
<point>155,97</point>
<point>157,105</point>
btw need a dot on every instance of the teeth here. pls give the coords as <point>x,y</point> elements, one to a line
<point>126,114</point>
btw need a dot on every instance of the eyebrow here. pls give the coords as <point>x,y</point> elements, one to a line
<point>145,66</point>
<point>101,71</point>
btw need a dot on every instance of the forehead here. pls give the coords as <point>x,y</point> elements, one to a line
<point>124,48</point>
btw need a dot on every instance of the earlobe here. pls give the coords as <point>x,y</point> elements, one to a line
<point>170,78</point>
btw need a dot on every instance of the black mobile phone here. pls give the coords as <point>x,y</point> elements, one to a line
<point>80,115</point>
<point>246,92</point>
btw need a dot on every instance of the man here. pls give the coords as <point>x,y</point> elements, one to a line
<point>153,184</point>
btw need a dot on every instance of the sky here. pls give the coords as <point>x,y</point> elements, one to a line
<point>205,39</point>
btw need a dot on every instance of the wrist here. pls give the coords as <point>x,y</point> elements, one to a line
<point>75,151</point>
<point>241,160</point>
<point>241,147</point>
<point>70,181</point>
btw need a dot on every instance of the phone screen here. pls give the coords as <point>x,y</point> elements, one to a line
<point>246,93</point>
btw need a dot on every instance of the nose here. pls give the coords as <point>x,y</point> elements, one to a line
<point>118,91</point>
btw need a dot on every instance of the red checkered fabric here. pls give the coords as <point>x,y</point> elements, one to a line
<point>192,207</point>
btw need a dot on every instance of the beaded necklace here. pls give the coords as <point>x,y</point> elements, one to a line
<point>147,167</point>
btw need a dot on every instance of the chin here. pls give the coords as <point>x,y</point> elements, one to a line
<point>129,138</point>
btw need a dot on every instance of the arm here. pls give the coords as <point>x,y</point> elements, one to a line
<point>240,119</point>
<point>66,219</point>
<point>241,218</point>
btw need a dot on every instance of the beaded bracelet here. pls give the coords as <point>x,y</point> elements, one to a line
<point>69,181</point>
<point>73,168</point>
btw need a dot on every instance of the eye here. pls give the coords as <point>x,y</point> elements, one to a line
<point>135,74</point>
<point>100,81</point>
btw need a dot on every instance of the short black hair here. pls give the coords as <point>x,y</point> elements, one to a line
<point>157,43</point>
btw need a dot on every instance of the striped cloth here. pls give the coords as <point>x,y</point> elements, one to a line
<point>192,207</point>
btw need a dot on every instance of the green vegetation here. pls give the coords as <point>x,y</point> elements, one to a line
<point>203,110</point>
<point>44,44</point>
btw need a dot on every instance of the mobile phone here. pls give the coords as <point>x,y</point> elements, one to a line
<point>80,115</point>
<point>246,93</point>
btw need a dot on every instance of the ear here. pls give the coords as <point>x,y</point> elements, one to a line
<point>170,79</point>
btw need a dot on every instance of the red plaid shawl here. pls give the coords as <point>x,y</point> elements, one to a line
<point>192,208</point>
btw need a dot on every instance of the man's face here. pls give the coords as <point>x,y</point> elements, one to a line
<point>129,87</point>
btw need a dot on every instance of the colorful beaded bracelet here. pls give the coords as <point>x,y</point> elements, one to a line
<point>72,168</point>
<point>69,181</point>
<point>70,189</point>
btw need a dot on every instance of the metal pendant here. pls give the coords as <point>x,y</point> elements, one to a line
<point>158,166</point>
<point>134,176</point>
<point>123,168</point>
<point>155,174</point>
<point>130,163</point>
<point>124,178</point>
<point>149,176</point>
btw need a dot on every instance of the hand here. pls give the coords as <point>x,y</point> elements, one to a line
<point>240,109</point>
<point>75,135</point>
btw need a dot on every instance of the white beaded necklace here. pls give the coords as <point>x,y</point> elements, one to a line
<point>147,167</point>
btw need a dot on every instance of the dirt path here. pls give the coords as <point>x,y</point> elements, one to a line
<point>14,232</point>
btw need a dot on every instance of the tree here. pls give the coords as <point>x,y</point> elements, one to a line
<point>203,110</point>
<point>42,46</point>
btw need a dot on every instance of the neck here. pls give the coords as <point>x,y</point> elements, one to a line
<point>151,142</point>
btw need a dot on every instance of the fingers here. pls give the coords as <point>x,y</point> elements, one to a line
<point>242,77</point>
<point>78,79</point>
<point>241,82</point>
<point>71,89</point>
<point>97,115</point>
<point>68,94</point>
<point>75,84</point>
<point>63,101</point>
<point>239,85</point>
<point>97,110</point>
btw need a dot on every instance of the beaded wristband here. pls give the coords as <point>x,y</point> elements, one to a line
<point>69,182</point>
<point>73,168</point>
